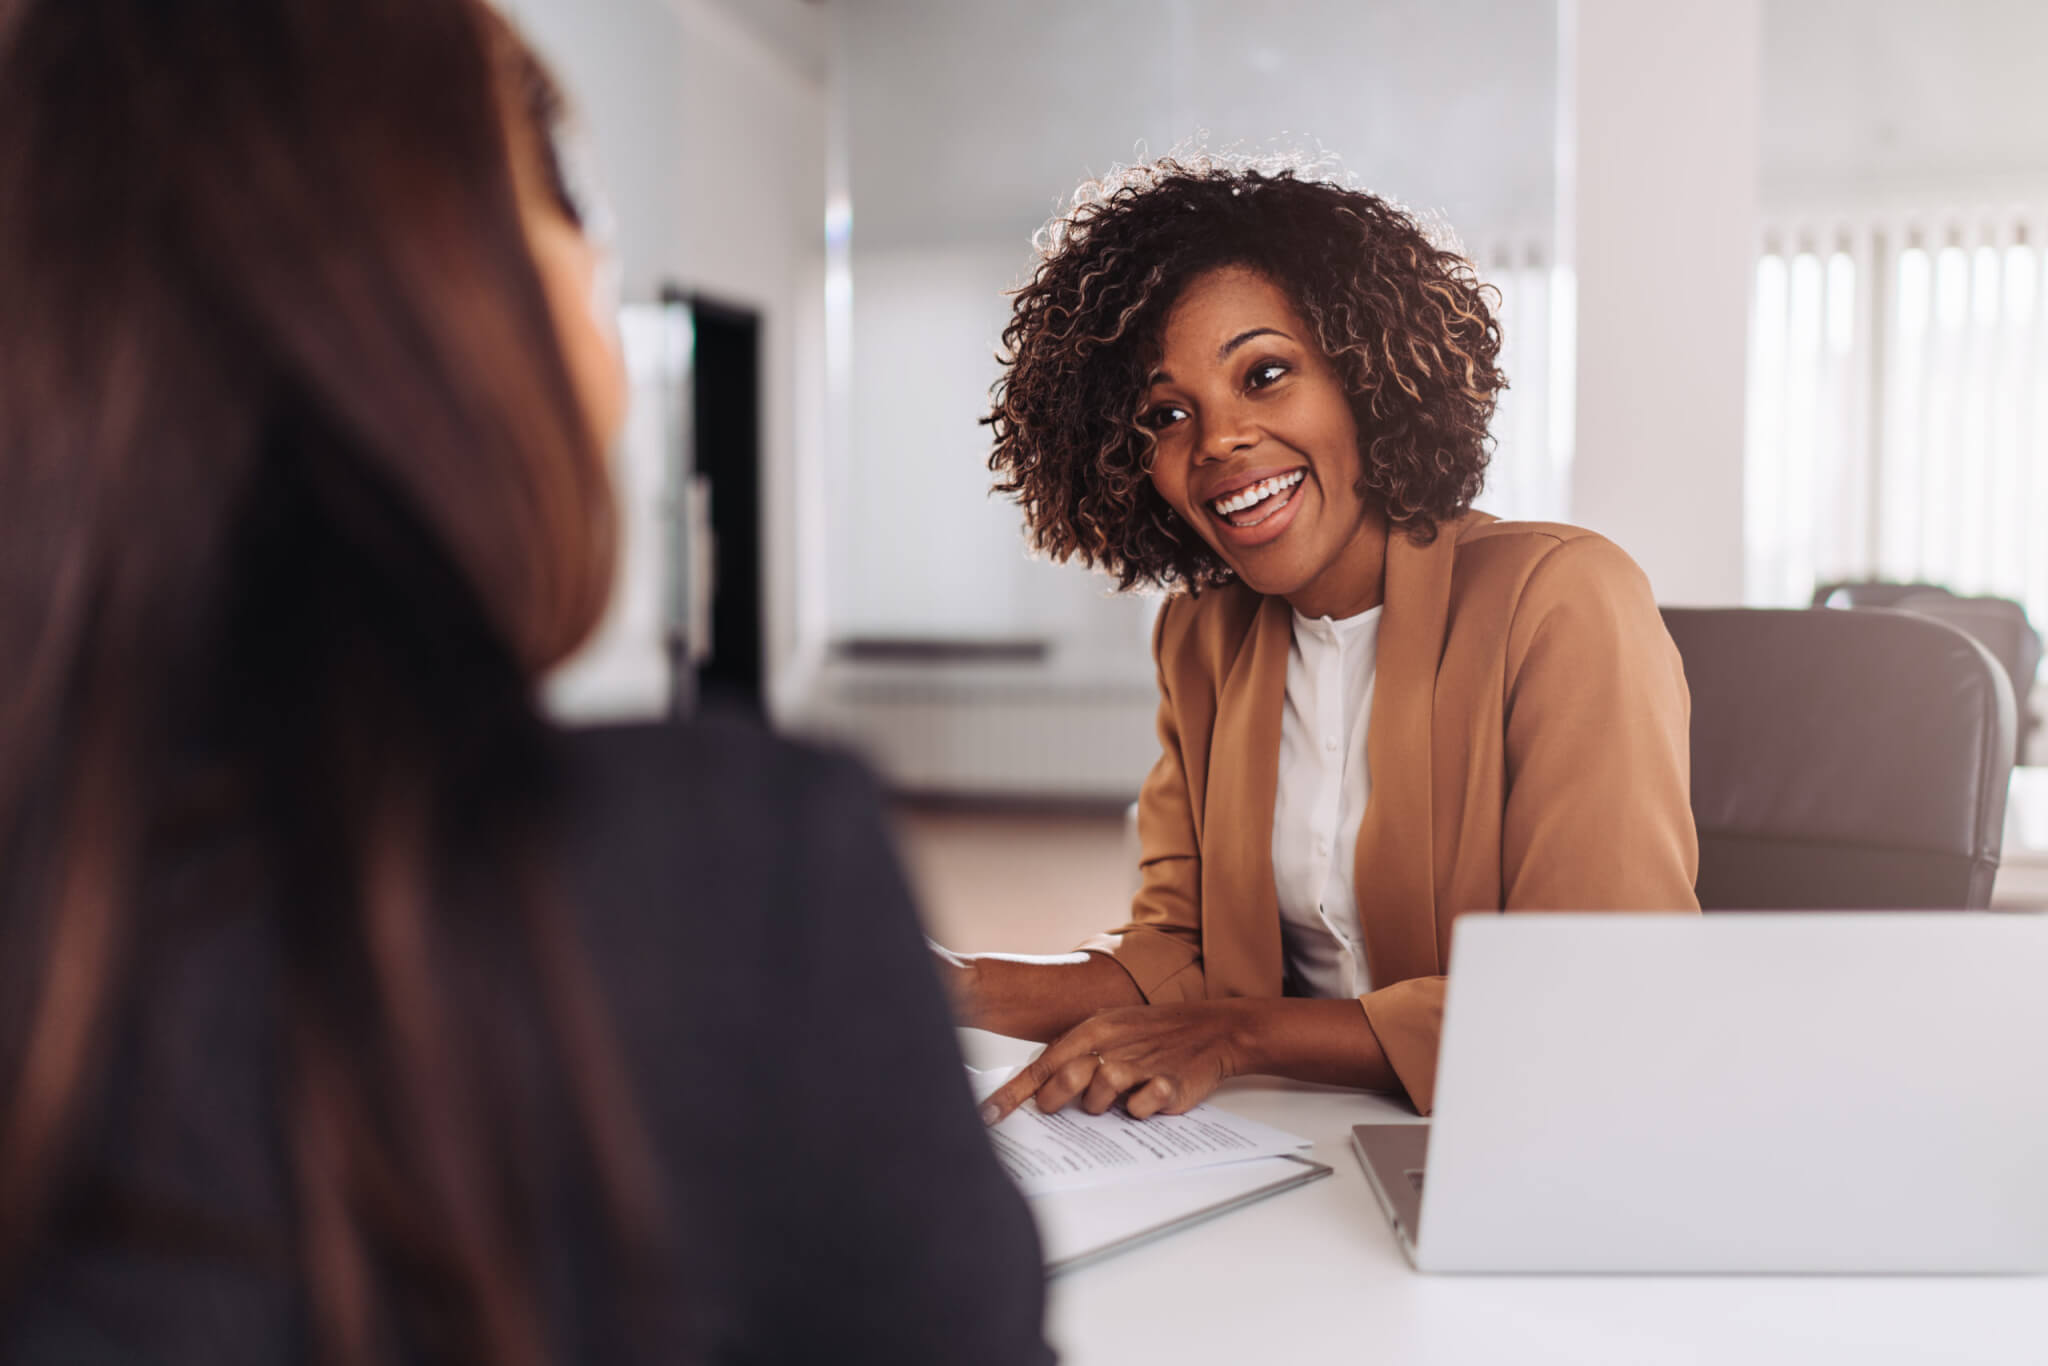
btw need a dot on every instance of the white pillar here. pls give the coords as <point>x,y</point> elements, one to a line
<point>1656,224</point>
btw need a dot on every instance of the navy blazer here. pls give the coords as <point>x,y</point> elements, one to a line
<point>831,1191</point>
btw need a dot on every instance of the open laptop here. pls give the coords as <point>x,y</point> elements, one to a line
<point>1736,1092</point>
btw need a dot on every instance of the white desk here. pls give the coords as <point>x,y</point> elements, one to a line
<point>1314,1276</point>
<point>2023,864</point>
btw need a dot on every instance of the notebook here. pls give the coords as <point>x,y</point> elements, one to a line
<point>1102,1184</point>
<point>1081,1226</point>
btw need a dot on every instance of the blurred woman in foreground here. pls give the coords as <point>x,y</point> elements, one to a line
<point>349,1011</point>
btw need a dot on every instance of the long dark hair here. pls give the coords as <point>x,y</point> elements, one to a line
<point>296,501</point>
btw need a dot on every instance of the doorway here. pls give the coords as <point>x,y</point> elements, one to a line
<point>725,411</point>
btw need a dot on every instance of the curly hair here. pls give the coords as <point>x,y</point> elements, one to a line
<point>1406,323</point>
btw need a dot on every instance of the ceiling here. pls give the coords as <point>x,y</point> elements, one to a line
<point>800,30</point>
<point>968,120</point>
<point>1903,92</point>
<point>971,118</point>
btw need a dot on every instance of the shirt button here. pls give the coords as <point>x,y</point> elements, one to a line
<point>1322,844</point>
<point>1330,744</point>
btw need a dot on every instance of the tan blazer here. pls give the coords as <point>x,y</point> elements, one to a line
<point>1527,747</point>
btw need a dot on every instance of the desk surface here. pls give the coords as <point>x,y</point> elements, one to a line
<point>2023,866</point>
<point>1314,1275</point>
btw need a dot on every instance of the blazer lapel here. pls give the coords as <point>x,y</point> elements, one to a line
<point>1395,871</point>
<point>1240,907</point>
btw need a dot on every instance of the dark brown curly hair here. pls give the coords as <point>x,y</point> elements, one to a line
<point>1406,323</point>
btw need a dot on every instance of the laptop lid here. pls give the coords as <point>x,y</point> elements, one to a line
<point>1766,1092</point>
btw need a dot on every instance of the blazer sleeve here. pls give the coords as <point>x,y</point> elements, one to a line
<point>1598,810</point>
<point>1161,945</point>
<point>1599,800</point>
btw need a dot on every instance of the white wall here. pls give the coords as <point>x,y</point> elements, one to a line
<point>1657,222</point>
<point>622,672</point>
<point>708,122</point>
<point>926,550</point>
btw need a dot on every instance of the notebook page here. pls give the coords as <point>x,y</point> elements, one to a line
<point>1073,1148</point>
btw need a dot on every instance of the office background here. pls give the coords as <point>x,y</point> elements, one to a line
<point>1773,286</point>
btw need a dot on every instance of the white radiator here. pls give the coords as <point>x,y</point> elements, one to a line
<point>987,735</point>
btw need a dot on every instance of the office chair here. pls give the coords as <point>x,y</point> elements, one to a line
<point>1868,592</point>
<point>2000,623</point>
<point>2001,626</point>
<point>1844,760</point>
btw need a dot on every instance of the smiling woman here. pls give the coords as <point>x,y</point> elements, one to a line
<point>1270,394</point>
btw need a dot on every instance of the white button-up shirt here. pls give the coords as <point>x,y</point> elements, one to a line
<point>1321,799</point>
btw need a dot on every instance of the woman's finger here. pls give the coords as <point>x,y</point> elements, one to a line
<point>1035,1075</point>
<point>1018,1089</point>
<point>1068,1080</point>
<point>1110,1081</point>
<point>1152,1098</point>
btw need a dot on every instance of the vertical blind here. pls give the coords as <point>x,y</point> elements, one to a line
<point>1530,474</point>
<point>1898,402</point>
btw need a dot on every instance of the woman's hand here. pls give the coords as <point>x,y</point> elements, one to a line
<point>1160,1059</point>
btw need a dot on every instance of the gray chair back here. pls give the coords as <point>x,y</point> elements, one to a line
<point>2001,626</point>
<point>1844,760</point>
<point>1868,592</point>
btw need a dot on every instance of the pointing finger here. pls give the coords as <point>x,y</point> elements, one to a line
<point>1016,1090</point>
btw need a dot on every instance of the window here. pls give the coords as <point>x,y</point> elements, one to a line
<point>1898,413</point>
<point>1530,475</point>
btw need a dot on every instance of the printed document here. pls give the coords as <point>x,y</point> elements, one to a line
<point>1073,1148</point>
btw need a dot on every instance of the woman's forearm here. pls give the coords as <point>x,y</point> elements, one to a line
<point>1321,1041</point>
<point>1038,997</point>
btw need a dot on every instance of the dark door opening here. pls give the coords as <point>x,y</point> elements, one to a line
<point>725,407</point>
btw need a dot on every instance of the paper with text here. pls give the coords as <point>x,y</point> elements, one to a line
<point>1073,1148</point>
